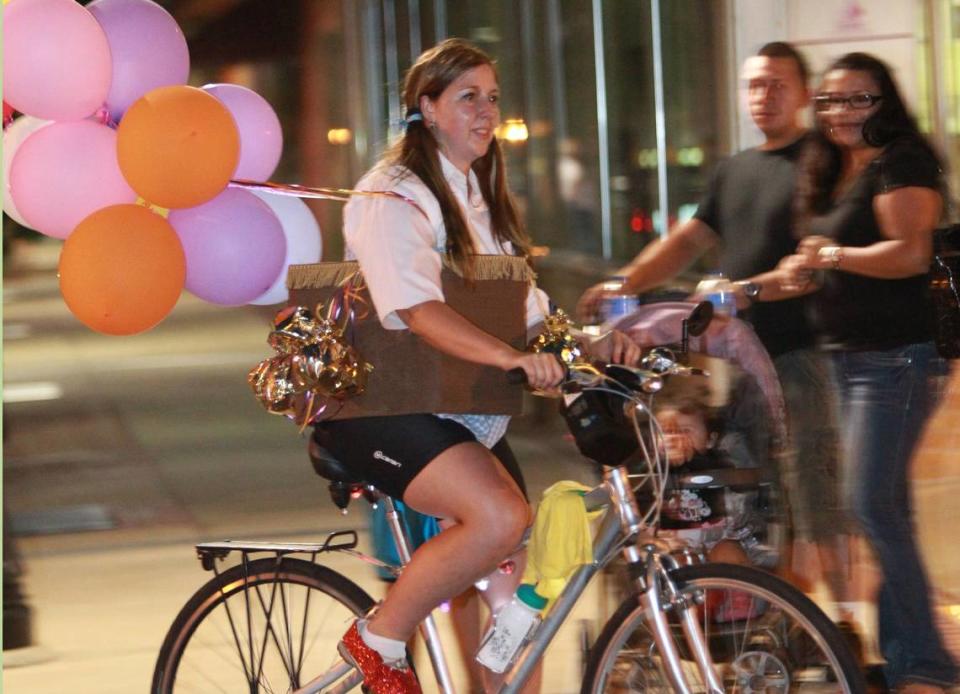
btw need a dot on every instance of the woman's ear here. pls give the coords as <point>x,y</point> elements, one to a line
<point>427,109</point>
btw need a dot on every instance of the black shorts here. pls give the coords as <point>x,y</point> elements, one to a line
<point>388,452</point>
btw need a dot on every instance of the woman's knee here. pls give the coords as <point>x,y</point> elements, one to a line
<point>502,519</point>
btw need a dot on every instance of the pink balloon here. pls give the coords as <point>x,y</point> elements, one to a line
<point>15,135</point>
<point>234,246</point>
<point>56,61</point>
<point>64,172</point>
<point>147,47</point>
<point>261,139</point>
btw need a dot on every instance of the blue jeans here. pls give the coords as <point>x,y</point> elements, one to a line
<point>886,398</point>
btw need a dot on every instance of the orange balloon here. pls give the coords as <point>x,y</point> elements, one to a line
<point>122,270</point>
<point>178,146</point>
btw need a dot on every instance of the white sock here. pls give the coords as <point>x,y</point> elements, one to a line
<point>393,652</point>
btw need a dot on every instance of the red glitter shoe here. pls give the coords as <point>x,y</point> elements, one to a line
<point>378,677</point>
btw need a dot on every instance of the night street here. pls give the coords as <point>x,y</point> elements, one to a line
<point>121,453</point>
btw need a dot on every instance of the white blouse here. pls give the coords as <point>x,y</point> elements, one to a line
<point>400,252</point>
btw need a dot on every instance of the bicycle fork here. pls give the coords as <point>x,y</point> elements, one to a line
<point>654,583</point>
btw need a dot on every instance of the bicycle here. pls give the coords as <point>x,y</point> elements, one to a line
<point>688,626</point>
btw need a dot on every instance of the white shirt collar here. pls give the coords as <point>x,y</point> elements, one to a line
<point>468,185</point>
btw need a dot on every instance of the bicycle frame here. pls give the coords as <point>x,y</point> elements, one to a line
<point>618,528</point>
<point>618,531</point>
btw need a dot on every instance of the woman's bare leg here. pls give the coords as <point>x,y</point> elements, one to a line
<point>499,588</point>
<point>466,485</point>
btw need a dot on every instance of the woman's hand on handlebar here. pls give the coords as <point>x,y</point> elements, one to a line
<point>614,347</point>
<point>544,371</point>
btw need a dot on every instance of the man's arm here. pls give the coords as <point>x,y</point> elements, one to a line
<point>658,262</point>
<point>666,258</point>
<point>767,286</point>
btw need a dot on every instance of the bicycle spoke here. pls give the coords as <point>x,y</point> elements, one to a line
<point>261,627</point>
<point>762,635</point>
<point>236,635</point>
<point>267,609</point>
<point>303,630</point>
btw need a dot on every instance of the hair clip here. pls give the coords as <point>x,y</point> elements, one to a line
<point>413,115</point>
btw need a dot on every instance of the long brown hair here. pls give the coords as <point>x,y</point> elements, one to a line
<point>417,151</point>
<point>821,162</point>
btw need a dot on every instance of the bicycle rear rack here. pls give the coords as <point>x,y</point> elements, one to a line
<point>209,552</point>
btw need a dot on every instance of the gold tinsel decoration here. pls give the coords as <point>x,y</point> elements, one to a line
<point>555,338</point>
<point>313,367</point>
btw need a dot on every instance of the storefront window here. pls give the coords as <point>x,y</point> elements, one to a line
<point>571,164</point>
<point>551,85</point>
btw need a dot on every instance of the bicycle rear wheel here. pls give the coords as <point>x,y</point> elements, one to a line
<point>268,625</point>
<point>762,633</point>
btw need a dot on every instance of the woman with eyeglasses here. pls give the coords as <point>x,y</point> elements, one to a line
<point>869,198</point>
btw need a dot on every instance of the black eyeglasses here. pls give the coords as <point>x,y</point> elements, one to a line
<point>860,101</point>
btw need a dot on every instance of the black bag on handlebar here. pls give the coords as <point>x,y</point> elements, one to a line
<point>600,426</point>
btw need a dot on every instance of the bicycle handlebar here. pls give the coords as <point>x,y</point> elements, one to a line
<point>633,378</point>
<point>517,377</point>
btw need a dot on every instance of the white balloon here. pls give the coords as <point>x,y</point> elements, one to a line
<point>15,135</point>
<point>304,242</point>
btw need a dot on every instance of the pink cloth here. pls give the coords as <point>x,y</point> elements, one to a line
<point>659,324</point>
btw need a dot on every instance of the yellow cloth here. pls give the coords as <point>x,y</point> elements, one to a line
<point>561,539</point>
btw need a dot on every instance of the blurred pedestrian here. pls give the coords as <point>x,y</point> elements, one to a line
<point>869,198</point>
<point>747,212</point>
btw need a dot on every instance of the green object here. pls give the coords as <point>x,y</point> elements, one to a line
<point>530,597</point>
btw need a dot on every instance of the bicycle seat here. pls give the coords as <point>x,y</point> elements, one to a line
<point>343,483</point>
<point>328,467</point>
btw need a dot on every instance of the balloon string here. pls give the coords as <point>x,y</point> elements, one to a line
<point>341,194</point>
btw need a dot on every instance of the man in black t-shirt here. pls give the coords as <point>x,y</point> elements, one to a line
<point>747,213</point>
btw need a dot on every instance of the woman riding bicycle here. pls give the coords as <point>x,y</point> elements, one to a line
<point>455,467</point>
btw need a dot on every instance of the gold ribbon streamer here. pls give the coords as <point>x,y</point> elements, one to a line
<point>342,194</point>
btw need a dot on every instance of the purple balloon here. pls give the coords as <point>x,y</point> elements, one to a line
<point>261,139</point>
<point>56,61</point>
<point>64,172</point>
<point>147,48</point>
<point>234,245</point>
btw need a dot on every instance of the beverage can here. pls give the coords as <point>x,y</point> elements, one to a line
<point>617,302</point>
<point>718,290</point>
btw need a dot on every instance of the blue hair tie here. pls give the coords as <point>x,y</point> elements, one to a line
<point>413,115</point>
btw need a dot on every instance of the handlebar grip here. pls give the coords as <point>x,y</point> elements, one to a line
<point>517,377</point>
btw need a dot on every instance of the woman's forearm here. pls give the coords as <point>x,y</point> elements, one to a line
<point>446,330</point>
<point>892,259</point>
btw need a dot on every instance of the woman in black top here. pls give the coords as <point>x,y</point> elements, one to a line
<point>869,199</point>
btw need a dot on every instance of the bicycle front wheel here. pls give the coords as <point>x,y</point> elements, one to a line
<point>763,636</point>
<point>268,625</point>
